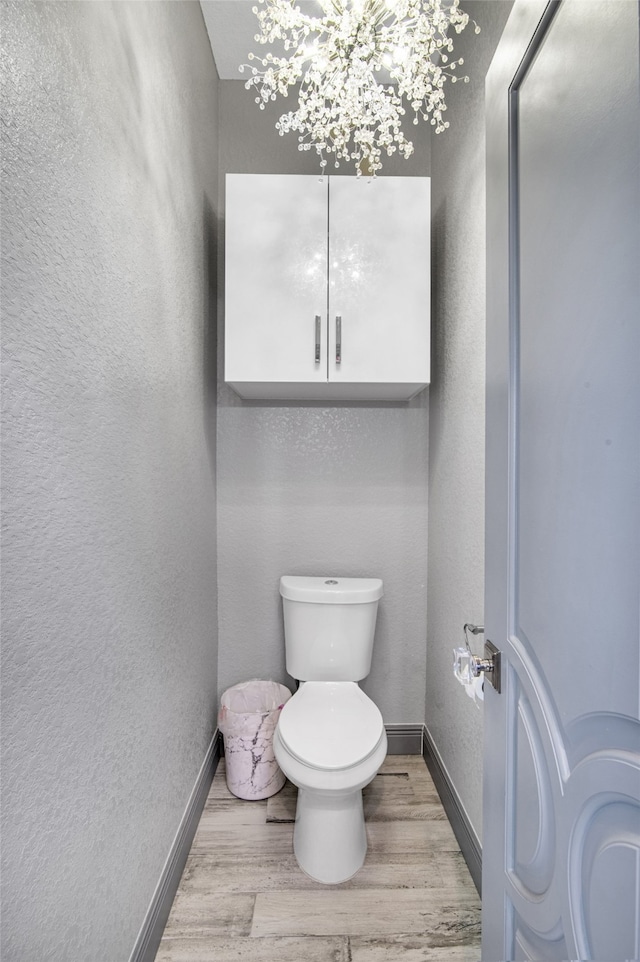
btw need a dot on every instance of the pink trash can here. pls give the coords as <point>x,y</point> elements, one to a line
<point>247,718</point>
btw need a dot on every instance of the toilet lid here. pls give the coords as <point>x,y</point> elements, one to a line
<point>330,725</point>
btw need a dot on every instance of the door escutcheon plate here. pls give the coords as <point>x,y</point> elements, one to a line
<point>493,655</point>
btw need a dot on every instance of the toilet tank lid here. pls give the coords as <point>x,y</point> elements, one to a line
<point>328,590</point>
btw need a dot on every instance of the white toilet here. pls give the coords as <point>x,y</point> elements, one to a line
<point>330,740</point>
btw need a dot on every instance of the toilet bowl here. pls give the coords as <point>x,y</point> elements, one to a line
<point>330,742</point>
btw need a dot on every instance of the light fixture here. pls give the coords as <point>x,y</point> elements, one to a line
<point>356,64</point>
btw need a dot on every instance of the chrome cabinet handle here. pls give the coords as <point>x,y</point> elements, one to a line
<point>317,356</point>
<point>338,338</point>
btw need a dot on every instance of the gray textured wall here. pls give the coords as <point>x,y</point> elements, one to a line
<point>108,583</point>
<point>456,440</point>
<point>312,488</point>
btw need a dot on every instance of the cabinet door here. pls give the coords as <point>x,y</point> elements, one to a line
<point>379,280</point>
<point>276,283</point>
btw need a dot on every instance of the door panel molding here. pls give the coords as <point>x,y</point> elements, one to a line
<point>534,874</point>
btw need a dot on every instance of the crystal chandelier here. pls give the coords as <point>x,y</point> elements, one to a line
<point>355,64</point>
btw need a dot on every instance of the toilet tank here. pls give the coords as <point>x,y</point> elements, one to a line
<point>329,624</point>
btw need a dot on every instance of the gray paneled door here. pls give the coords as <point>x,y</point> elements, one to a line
<point>561,845</point>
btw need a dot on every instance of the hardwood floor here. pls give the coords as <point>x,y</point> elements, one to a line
<point>243,897</point>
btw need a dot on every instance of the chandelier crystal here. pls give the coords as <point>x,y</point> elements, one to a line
<point>356,65</point>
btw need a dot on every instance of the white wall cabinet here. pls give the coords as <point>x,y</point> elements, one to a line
<point>327,286</point>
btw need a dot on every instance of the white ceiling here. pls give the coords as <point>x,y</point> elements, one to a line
<point>232,27</point>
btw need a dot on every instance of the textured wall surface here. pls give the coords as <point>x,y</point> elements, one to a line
<point>456,470</point>
<point>307,488</point>
<point>108,582</point>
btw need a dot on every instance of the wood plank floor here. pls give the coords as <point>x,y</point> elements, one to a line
<point>243,897</point>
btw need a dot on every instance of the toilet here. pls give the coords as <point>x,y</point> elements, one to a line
<point>330,740</point>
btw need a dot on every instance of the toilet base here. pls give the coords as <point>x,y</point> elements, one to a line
<point>329,837</point>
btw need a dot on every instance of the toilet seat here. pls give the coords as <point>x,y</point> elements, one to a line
<point>330,726</point>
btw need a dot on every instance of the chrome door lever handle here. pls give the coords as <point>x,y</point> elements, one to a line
<point>468,666</point>
<point>478,665</point>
